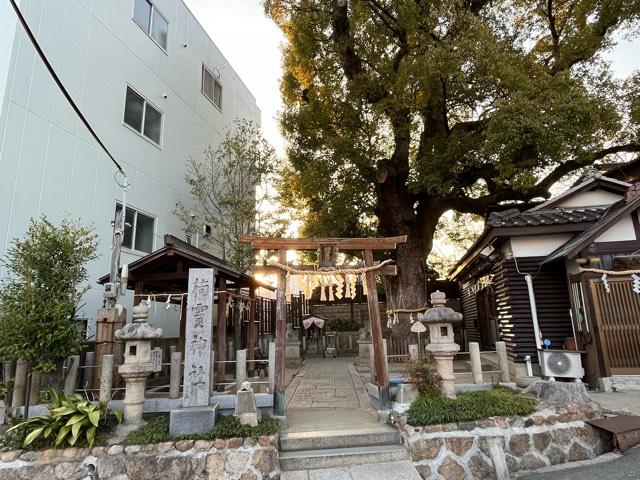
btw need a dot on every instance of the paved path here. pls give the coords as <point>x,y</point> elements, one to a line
<point>327,383</point>
<point>607,467</point>
<point>372,471</point>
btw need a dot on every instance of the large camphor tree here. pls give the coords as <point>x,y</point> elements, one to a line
<point>399,110</point>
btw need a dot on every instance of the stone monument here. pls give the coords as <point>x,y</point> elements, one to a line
<point>442,346</point>
<point>196,415</point>
<point>364,344</point>
<point>292,348</point>
<point>137,365</point>
<point>246,409</point>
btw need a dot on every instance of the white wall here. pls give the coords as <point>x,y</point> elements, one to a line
<point>591,198</point>
<point>619,231</point>
<point>50,165</point>
<point>536,246</point>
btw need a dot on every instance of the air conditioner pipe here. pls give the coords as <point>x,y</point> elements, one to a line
<point>527,359</point>
<point>534,311</point>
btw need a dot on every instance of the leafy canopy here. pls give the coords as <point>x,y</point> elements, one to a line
<point>399,110</point>
<point>40,297</point>
<point>229,190</point>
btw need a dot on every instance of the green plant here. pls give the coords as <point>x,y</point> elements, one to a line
<point>72,420</point>
<point>157,430</point>
<point>39,299</point>
<point>344,325</point>
<point>5,388</point>
<point>422,373</point>
<point>469,406</point>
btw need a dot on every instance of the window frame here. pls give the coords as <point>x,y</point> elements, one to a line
<point>154,8</point>
<point>213,93</point>
<point>134,227</point>
<point>144,115</point>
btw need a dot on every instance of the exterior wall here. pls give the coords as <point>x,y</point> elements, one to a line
<point>590,199</point>
<point>514,311</point>
<point>621,230</point>
<point>50,165</point>
<point>537,246</point>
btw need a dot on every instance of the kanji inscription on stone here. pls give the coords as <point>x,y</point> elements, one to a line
<point>198,338</point>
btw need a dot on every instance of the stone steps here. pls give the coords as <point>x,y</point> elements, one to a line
<point>332,439</point>
<point>340,457</point>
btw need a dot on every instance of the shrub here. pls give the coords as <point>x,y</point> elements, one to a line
<point>157,430</point>
<point>344,325</point>
<point>469,406</point>
<point>422,373</point>
<point>72,420</point>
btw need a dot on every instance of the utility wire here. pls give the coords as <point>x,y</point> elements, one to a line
<point>61,86</point>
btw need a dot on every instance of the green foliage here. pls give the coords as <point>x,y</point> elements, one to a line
<point>5,388</point>
<point>72,421</point>
<point>422,373</point>
<point>469,406</point>
<point>398,111</point>
<point>40,297</point>
<point>157,430</point>
<point>344,325</point>
<point>230,191</point>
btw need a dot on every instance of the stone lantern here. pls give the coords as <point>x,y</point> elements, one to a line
<point>137,364</point>
<point>441,320</point>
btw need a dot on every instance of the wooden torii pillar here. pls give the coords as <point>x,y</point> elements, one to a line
<point>365,245</point>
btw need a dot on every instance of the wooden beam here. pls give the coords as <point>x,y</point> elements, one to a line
<point>221,344</point>
<point>263,243</point>
<point>386,270</point>
<point>151,277</point>
<point>380,362</point>
<point>139,288</point>
<point>281,331</point>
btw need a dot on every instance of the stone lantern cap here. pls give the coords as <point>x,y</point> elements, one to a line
<point>139,329</point>
<point>439,313</point>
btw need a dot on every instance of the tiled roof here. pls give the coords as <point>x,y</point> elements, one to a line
<point>554,216</point>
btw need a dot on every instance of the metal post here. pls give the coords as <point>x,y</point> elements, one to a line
<point>72,375</point>
<point>175,374</point>
<point>476,362</point>
<point>222,328</point>
<point>241,367</point>
<point>503,361</point>
<point>272,367</point>
<point>106,378</point>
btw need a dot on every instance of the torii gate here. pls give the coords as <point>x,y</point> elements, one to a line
<point>332,245</point>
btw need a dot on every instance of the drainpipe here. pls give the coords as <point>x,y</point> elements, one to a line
<point>534,311</point>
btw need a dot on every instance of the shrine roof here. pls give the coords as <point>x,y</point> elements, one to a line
<point>167,269</point>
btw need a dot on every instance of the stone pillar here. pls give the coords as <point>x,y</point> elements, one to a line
<point>372,365</point>
<point>272,366</point>
<point>476,362</point>
<point>106,378</point>
<point>137,365</point>
<point>442,346</point>
<point>503,361</point>
<point>72,374</point>
<point>88,370</point>
<point>175,375</point>
<point>413,352</point>
<point>34,392</point>
<point>241,368</point>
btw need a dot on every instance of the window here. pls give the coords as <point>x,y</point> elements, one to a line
<point>211,87</point>
<point>138,230</point>
<point>151,21</point>
<point>140,115</point>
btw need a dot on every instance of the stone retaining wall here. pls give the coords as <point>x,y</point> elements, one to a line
<point>233,459</point>
<point>461,451</point>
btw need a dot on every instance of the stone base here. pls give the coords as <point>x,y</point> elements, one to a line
<point>558,393</point>
<point>363,349</point>
<point>187,421</point>
<point>124,429</point>
<point>292,350</point>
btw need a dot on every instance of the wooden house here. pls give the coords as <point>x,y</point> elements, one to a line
<point>565,245</point>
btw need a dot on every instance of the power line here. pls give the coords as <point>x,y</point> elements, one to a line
<point>61,86</point>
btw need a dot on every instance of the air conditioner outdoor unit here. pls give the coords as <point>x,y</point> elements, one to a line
<point>560,363</point>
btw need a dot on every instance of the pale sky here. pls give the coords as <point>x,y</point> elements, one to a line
<point>251,43</point>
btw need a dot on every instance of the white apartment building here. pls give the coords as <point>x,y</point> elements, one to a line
<point>155,88</point>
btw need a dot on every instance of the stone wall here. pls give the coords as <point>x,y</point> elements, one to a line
<point>461,451</point>
<point>233,459</point>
